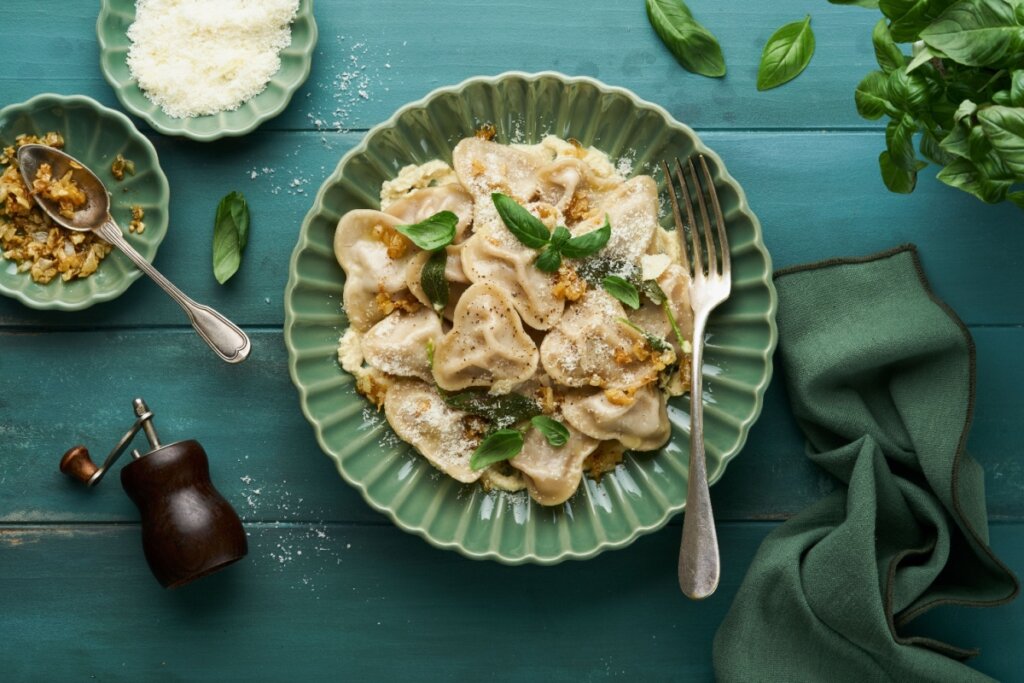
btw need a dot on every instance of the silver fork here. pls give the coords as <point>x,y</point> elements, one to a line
<point>699,564</point>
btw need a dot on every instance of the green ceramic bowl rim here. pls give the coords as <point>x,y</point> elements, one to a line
<point>699,147</point>
<point>182,129</point>
<point>165,192</point>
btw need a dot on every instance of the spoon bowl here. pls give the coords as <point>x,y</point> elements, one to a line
<point>225,338</point>
<point>97,207</point>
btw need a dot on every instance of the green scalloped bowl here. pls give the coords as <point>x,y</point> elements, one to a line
<point>112,30</point>
<point>646,489</point>
<point>94,135</point>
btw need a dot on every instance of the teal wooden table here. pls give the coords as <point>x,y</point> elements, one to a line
<point>331,590</point>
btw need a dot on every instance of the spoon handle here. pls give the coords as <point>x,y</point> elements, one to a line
<point>226,339</point>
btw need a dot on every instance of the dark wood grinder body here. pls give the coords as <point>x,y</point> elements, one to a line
<point>188,529</point>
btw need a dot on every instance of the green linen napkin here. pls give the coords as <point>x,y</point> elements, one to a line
<point>881,378</point>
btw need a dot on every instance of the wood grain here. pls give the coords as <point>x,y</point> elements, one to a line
<point>348,602</point>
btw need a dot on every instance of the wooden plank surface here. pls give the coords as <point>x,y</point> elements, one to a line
<point>349,602</point>
<point>331,589</point>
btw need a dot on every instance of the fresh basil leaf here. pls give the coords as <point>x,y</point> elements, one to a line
<point>1002,98</point>
<point>899,141</point>
<point>435,233</point>
<point>623,290</point>
<point>560,236</point>
<point>908,92</point>
<point>694,46</point>
<point>786,54</point>
<point>554,431</point>
<point>897,179</point>
<point>527,228</point>
<point>887,53</point>
<point>502,410</point>
<point>978,145</point>
<point>1003,128</point>
<point>966,109</point>
<point>588,243</point>
<point>872,97</point>
<point>434,282</point>
<point>931,149</point>
<point>909,17</point>
<point>549,260</point>
<point>1017,88</point>
<point>965,175</point>
<point>501,445</point>
<point>977,32</point>
<point>230,235</point>
<point>923,56</point>
<point>653,340</point>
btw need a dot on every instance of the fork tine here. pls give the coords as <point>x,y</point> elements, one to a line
<point>680,229</point>
<point>719,219</point>
<point>694,241</point>
<point>706,221</point>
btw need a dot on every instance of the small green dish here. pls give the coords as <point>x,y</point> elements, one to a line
<point>94,135</point>
<point>646,489</point>
<point>112,30</point>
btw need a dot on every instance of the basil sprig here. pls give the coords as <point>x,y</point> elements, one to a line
<point>623,290</point>
<point>958,89</point>
<point>500,410</point>
<point>503,444</point>
<point>433,235</point>
<point>230,235</point>
<point>532,232</point>
<point>554,431</point>
<point>786,54</point>
<point>693,45</point>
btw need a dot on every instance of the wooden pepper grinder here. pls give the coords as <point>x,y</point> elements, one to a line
<point>188,529</point>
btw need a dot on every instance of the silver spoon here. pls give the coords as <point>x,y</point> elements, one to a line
<point>223,336</point>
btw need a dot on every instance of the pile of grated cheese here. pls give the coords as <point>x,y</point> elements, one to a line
<point>196,57</point>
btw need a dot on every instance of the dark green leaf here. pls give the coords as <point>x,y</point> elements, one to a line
<point>923,56</point>
<point>896,179</point>
<point>932,151</point>
<point>1017,88</point>
<point>956,142</point>
<point>501,410</point>
<point>899,140</point>
<point>653,291</point>
<point>560,236</point>
<point>435,233</point>
<point>872,97</point>
<point>1004,129</point>
<point>230,235</point>
<point>588,243</point>
<point>623,290</point>
<point>977,32</point>
<point>965,175</point>
<point>549,260</point>
<point>978,145</point>
<point>653,340</point>
<point>501,445</point>
<point>786,54</point>
<point>554,431</point>
<point>1002,98</point>
<point>527,228</point>
<point>887,53</point>
<point>908,93</point>
<point>966,109</point>
<point>434,282</point>
<point>909,17</point>
<point>692,44</point>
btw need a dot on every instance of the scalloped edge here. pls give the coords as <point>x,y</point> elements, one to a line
<point>165,192</point>
<point>183,130</point>
<point>303,242</point>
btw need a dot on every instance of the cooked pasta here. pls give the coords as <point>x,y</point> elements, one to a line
<point>502,363</point>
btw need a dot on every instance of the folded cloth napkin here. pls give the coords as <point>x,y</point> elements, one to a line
<point>881,377</point>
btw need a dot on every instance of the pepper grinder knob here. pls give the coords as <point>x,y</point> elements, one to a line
<point>77,464</point>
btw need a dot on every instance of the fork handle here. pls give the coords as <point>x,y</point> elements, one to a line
<point>699,564</point>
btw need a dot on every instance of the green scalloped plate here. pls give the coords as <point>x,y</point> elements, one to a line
<point>112,30</point>
<point>646,489</point>
<point>94,135</point>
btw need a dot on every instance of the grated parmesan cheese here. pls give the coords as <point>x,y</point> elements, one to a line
<point>195,58</point>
